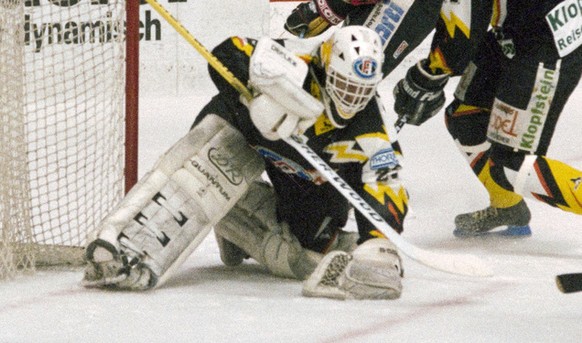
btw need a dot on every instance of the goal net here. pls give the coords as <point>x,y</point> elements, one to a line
<point>62,96</point>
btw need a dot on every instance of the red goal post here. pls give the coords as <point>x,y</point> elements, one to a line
<point>68,113</point>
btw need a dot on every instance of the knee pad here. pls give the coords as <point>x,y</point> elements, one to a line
<point>252,226</point>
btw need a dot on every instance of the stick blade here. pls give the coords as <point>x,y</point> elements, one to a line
<point>569,283</point>
<point>459,264</point>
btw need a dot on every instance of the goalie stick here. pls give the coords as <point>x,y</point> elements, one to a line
<point>569,283</point>
<point>452,263</point>
<point>467,265</point>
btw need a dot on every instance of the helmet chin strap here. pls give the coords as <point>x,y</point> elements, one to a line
<point>336,116</point>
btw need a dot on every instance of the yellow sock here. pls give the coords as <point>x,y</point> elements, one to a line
<point>498,196</point>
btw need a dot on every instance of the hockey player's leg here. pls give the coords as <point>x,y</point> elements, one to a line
<point>516,218</point>
<point>507,209</point>
<point>172,209</point>
<point>468,126</point>
<point>550,181</point>
<point>467,119</point>
<point>251,229</point>
<point>518,161</point>
<point>371,271</point>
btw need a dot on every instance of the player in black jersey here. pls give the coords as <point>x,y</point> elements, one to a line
<point>351,136</point>
<point>507,103</point>
<point>516,80</point>
<point>325,90</point>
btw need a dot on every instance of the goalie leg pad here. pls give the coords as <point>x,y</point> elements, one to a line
<point>172,209</point>
<point>115,270</point>
<point>252,226</point>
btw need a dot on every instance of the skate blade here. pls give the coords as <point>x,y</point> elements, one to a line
<point>511,231</point>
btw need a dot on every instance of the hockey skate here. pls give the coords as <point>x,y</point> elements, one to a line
<point>515,219</point>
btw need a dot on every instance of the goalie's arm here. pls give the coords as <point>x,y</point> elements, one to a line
<point>385,194</point>
<point>234,53</point>
<point>275,75</point>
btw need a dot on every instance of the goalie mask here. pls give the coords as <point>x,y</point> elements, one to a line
<point>352,59</point>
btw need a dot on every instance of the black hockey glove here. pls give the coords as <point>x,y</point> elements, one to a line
<point>419,96</point>
<point>305,21</point>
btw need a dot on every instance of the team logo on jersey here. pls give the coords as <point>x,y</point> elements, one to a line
<point>290,167</point>
<point>365,67</point>
<point>385,158</point>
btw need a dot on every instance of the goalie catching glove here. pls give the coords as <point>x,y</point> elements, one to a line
<point>420,95</point>
<point>283,108</point>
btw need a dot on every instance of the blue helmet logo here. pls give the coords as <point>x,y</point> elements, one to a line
<point>365,67</point>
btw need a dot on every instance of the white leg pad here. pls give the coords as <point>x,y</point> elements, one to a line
<point>191,187</point>
<point>252,226</point>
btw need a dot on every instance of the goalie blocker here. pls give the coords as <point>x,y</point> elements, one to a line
<point>172,209</point>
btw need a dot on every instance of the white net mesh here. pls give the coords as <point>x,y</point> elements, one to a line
<point>62,95</point>
<point>280,10</point>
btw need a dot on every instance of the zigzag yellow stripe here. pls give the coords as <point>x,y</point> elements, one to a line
<point>380,135</point>
<point>438,62</point>
<point>343,152</point>
<point>499,12</point>
<point>498,196</point>
<point>400,199</point>
<point>455,22</point>
<point>569,182</point>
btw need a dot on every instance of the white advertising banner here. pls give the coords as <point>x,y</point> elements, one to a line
<point>168,64</point>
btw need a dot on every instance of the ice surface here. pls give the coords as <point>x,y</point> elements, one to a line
<point>209,302</point>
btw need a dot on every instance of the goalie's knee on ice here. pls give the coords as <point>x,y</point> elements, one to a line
<point>230,254</point>
<point>252,226</point>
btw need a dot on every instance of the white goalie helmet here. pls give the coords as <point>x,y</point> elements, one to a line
<point>352,58</point>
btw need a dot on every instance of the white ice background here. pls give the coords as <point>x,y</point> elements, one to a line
<point>208,302</point>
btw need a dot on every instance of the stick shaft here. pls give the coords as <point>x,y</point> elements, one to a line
<point>208,56</point>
